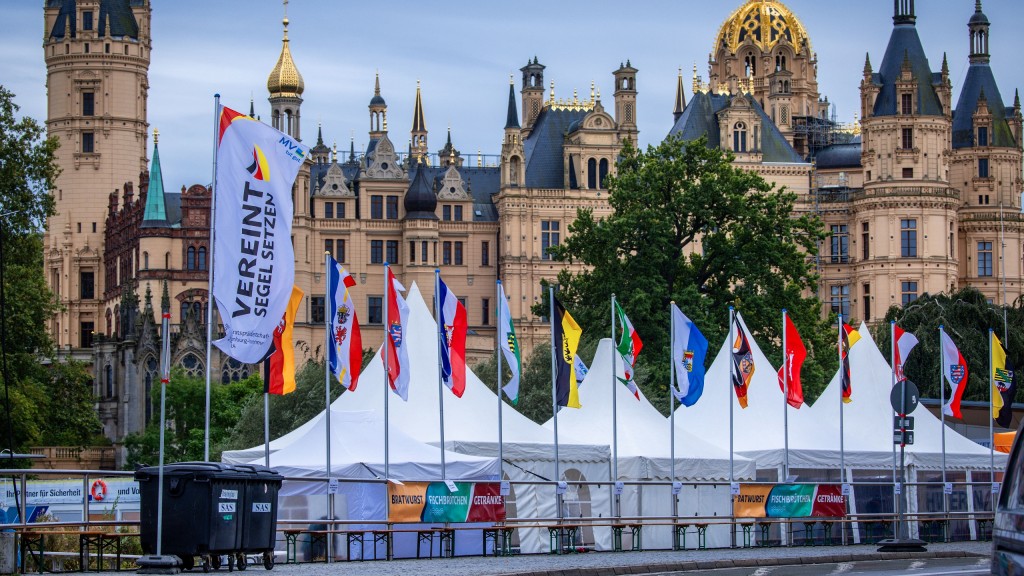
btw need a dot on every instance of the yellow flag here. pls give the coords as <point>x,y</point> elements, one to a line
<point>567,340</point>
<point>1000,376</point>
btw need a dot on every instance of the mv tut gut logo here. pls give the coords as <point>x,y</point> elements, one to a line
<point>259,169</point>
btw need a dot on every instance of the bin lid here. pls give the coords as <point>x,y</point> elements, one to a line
<point>204,470</point>
<point>260,473</point>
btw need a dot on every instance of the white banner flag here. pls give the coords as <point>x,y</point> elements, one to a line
<point>254,263</point>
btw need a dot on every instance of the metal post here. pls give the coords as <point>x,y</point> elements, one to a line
<point>165,378</point>
<point>499,353</point>
<point>209,299</point>
<point>441,333</point>
<point>387,377</point>
<point>331,303</point>
<point>672,404</point>
<point>615,420</point>
<point>785,399</point>
<point>554,396</point>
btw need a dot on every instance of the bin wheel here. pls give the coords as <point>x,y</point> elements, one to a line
<point>215,561</point>
<point>241,562</point>
<point>206,564</point>
<point>268,560</point>
<point>188,562</point>
<point>231,563</point>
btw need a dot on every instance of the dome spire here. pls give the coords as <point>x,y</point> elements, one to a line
<point>284,79</point>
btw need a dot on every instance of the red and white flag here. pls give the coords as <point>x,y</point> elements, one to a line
<point>254,269</point>
<point>398,348</point>
<point>345,343</point>
<point>452,323</point>
<point>905,342</point>
<point>795,355</point>
<point>954,370</point>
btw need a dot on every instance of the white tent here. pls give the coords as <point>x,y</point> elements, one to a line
<point>471,428</point>
<point>645,453</point>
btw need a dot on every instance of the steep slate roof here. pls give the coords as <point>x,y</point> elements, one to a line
<point>700,117</point>
<point>980,79</point>
<point>545,167</point>
<point>905,44</point>
<point>420,199</point>
<point>122,19</point>
<point>839,156</point>
<point>155,215</point>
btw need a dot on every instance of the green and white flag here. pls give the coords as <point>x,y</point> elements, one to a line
<point>629,348</point>
<point>509,346</point>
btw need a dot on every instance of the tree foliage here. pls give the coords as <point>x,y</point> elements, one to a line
<point>966,316</point>
<point>690,227</point>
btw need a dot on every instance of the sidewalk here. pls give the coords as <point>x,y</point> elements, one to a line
<point>601,563</point>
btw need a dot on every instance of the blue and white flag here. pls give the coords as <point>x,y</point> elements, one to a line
<point>689,348</point>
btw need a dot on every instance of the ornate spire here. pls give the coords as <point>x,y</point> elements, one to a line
<point>156,206</point>
<point>680,96</point>
<point>319,134</point>
<point>867,64</point>
<point>512,118</point>
<point>284,79</point>
<point>419,123</point>
<point>165,298</point>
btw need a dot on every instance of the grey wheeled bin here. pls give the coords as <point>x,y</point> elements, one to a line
<point>202,511</point>
<point>259,517</point>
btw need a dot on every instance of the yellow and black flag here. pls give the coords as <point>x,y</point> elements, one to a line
<point>1004,384</point>
<point>567,339</point>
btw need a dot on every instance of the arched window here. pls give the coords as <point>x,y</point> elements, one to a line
<point>151,376</point>
<point>739,137</point>
<point>603,172</point>
<point>145,260</point>
<point>190,259</point>
<point>750,64</point>
<point>167,260</point>
<point>202,258</point>
<point>110,323</point>
<point>233,371</point>
<point>591,174</point>
<point>108,376</point>
<point>780,62</point>
<point>193,366</point>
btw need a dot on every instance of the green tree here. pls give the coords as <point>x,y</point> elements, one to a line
<point>966,316</point>
<point>690,227</point>
<point>71,421</point>
<point>185,413</point>
<point>28,171</point>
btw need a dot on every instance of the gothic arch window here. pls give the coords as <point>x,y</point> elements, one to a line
<point>193,366</point>
<point>576,503</point>
<point>145,260</point>
<point>108,380</point>
<point>167,260</point>
<point>151,376</point>
<point>190,258</point>
<point>750,64</point>
<point>233,371</point>
<point>513,171</point>
<point>192,309</point>
<point>739,137</point>
<point>603,172</point>
<point>780,62</point>
<point>202,258</point>
<point>591,173</point>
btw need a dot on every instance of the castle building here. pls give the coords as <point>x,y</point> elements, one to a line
<point>918,197</point>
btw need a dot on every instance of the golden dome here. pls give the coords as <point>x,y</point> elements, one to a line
<point>284,79</point>
<point>765,22</point>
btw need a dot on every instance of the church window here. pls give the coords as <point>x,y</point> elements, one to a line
<point>906,104</point>
<point>602,173</point>
<point>193,366</point>
<point>392,207</point>
<point>233,371</point>
<point>908,139</point>
<point>982,167</point>
<point>88,141</point>
<point>739,137</point>
<point>376,251</point>
<point>328,209</point>
<point>202,258</point>
<point>982,135</point>
<point>88,103</point>
<point>591,174</point>
<point>376,207</point>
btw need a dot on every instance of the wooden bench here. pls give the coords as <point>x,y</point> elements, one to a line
<point>635,530</point>
<point>33,545</point>
<point>501,536</point>
<point>291,537</point>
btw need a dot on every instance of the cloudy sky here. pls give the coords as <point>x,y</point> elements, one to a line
<point>463,52</point>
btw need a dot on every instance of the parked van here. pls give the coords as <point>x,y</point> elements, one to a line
<point>1008,532</point>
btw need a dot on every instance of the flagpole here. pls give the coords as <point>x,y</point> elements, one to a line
<point>991,403</point>
<point>440,365</point>
<point>554,396</point>
<point>672,402</point>
<point>615,421</point>
<point>842,375</point>
<point>330,303</point>
<point>785,396</point>
<point>942,400</point>
<point>897,498</point>
<point>209,292</point>
<point>165,378</point>
<point>498,353</point>
<point>266,414</point>
<point>387,382</point>
<point>732,376</point>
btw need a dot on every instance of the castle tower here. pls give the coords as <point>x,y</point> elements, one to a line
<point>418,134</point>
<point>285,86</point>
<point>513,171</point>
<point>986,166</point>
<point>97,63</point>
<point>533,93</point>
<point>378,112</point>
<point>625,98</point>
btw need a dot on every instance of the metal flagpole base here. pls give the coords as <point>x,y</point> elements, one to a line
<point>164,564</point>
<point>902,545</point>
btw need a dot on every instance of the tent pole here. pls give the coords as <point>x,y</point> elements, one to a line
<point>785,399</point>
<point>672,405</point>
<point>554,398</point>
<point>498,353</point>
<point>441,333</point>
<point>942,400</point>
<point>331,304</point>
<point>615,422</point>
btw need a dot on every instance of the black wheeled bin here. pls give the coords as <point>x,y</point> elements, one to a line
<point>204,505</point>
<point>259,517</point>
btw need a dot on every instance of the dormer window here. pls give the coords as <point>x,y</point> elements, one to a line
<point>87,20</point>
<point>906,104</point>
<point>982,135</point>
<point>739,137</point>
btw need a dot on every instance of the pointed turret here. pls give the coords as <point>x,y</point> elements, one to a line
<point>285,86</point>
<point>155,215</point>
<point>980,104</point>
<point>418,134</point>
<point>680,97</point>
<point>320,153</point>
<point>378,111</point>
<point>978,26</point>
<point>512,118</point>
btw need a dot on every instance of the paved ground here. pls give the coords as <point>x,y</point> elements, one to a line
<point>610,563</point>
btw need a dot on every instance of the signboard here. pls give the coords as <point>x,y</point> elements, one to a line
<point>905,422</point>
<point>789,501</point>
<point>49,492</point>
<point>619,486</point>
<point>899,437</point>
<point>910,400</point>
<point>435,502</point>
